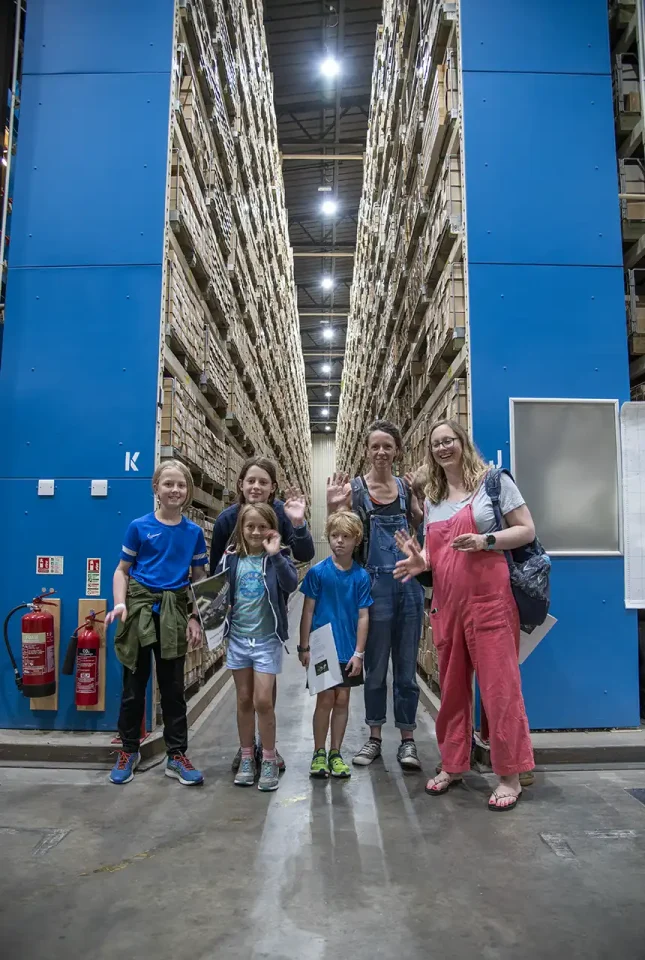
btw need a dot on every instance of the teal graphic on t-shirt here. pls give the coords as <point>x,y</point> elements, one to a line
<point>252,615</point>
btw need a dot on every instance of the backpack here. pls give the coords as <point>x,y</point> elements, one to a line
<point>529,567</point>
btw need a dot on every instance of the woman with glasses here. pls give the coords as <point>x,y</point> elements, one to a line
<point>475,622</point>
<point>386,506</point>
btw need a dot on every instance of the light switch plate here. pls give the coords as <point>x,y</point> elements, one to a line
<point>45,488</point>
<point>99,488</point>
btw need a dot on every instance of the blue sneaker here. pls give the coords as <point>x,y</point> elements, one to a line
<point>123,769</point>
<point>180,768</point>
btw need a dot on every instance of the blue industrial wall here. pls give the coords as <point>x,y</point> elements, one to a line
<point>547,311</point>
<point>79,375</point>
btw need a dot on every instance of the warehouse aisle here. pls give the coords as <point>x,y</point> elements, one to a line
<point>367,868</point>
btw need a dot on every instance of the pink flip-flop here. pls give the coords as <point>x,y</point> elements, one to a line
<point>494,807</point>
<point>443,788</point>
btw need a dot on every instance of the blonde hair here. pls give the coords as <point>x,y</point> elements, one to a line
<point>346,522</point>
<point>473,467</point>
<point>183,469</point>
<point>420,481</point>
<point>267,513</point>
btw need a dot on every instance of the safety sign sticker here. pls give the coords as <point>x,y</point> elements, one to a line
<point>93,577</point>
<point>49,565</point>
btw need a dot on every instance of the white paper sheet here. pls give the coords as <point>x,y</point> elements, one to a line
<point>324,669</point>
<point>632,428</point>
<point>529,641</point>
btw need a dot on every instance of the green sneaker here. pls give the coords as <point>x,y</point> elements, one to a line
<point>337,766</point>
<point>319,767</point>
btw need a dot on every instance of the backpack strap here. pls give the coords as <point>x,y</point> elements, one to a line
<point>403,496</point>
<point>360,496</point>
<point>493,487</point>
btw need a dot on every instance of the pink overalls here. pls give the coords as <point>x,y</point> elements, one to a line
<point>475,625</point>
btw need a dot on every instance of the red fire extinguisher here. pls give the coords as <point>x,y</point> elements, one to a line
<point>38,649</point>
<point>84,648</point>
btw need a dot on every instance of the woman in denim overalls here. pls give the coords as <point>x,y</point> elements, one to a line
<point>385,505</point>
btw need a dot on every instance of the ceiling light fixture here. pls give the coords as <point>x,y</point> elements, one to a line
<point>325,412</point>
<point>330,67</point>
<point>329,208</point>
<point>326,368</point>
<point>327,428</point>
<point>326,283</point>
<point>328,394</point>
<point>328,333</point>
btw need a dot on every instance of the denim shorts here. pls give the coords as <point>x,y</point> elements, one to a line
<point>265,656</point>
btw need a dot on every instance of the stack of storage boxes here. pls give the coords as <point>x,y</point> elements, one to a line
<point>406,336</point>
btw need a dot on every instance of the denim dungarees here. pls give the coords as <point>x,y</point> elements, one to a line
<point>396,620</point>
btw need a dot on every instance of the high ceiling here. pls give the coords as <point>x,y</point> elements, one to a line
<point>322,117</point>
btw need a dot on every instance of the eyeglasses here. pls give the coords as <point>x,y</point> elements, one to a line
<point>445,443</point>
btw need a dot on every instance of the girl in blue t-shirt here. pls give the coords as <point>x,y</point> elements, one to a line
<point>261,575</point>
<point>337,592</point>
<point>160,552</point>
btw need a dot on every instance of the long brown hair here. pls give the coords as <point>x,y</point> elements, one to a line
<point>266,512</point>
<point>264,464</point>
<point>473,467</point>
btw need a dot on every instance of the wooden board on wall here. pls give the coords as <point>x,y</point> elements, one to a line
<point>84,609</point>
<point>51,702</point>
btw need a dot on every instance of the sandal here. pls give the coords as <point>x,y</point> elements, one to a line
<point>493,803</point>
<point>442,787</point>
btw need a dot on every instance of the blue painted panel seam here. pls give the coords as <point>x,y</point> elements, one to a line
<point>541,263</point>
<point>101,73</point>
<point>545,73</point>
<point>85,266</point>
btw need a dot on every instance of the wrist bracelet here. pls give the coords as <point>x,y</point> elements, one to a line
<point>359,655</point>
<point>119,606</point>
<point>303,649</point>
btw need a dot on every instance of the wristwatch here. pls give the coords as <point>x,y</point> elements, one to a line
<point>303,649</point>
<point>491,540</point>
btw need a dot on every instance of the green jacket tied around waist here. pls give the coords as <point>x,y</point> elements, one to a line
<point>139,627</point>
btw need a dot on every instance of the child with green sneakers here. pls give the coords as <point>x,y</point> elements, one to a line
<point>338,592</point>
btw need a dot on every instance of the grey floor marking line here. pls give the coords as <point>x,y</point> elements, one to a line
<point>559,845</point>
<point>611,834</point>
<point>50,840</point>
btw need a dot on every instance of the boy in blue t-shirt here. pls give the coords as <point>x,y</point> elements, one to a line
<point>337,591</point>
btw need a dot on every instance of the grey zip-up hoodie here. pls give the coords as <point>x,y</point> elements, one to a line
<point>280,579</point>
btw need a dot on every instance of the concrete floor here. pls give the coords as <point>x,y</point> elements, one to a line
<point>368,868</point>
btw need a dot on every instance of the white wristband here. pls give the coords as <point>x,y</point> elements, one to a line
<point>359,655</point>
<point>119,606</point>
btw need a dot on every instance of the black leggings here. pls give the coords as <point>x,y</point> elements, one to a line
<point>170,677</point>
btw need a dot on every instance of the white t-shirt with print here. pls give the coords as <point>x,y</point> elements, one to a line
<point>510,499</point>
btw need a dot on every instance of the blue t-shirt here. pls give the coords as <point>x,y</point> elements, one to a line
<point>162,554</point>
<point>251,616</point>
<point>339,595</point>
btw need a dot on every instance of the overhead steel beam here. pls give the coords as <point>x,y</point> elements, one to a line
<point>324,383</point>
<point>306,247</point>
<point>352,97</point>
<point>320,144</point>
<point>323,156</point>
<point>324,253</point>
<point>314,313</point>
<point>323,354</point>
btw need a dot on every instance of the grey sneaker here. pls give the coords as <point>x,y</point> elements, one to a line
<point>269,776</point>
<point>407,755</point>
<point>368,753</point>
<point>245,776</point>
<point>237,760</point>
